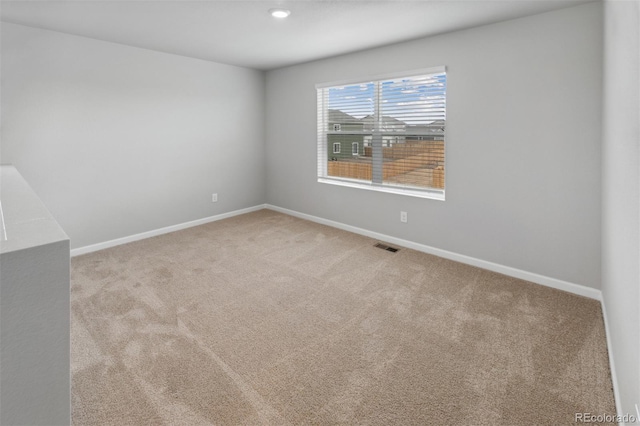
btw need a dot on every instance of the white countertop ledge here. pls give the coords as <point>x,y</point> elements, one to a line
<point>26,221</point>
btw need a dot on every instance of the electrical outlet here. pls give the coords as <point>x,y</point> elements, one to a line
<point>403,217</point>
<point>214,198</point>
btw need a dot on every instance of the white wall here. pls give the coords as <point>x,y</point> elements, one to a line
<point>523,144</point>
<point>118,140</point>
<point>621,194</point>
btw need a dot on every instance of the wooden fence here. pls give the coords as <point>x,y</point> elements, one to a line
<point>419,163</point>
<point>405,171</point>
<point>411,148</point>
<point>349,169</point>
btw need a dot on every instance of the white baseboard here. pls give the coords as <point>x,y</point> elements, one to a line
<point>495,267</point>
<point>612,364</point>
<point>502,269</point>
<point>118,241</point>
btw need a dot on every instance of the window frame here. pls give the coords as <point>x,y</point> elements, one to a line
<point>321,145</point>
<point>334,148</point>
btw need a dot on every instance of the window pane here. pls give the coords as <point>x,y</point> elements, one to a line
<point>385,133</point>
<point>349,104</point>
<point>412,122</point>
<point>414,103</point>
<point>414,162</point>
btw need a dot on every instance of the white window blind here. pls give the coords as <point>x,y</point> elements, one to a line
<point>396,125</point>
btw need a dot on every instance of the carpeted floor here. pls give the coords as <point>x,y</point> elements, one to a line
<point>268,319</point>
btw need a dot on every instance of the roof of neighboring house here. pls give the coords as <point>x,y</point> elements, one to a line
<point>433,127</point>
<point>385,119</point>
<point>387,122</point>
<point>439,123</point>
<point>337,116</point>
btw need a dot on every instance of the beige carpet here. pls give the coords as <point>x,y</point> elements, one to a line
<point>269,319</point>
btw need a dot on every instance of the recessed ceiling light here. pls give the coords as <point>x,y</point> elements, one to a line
<point>279,13</point>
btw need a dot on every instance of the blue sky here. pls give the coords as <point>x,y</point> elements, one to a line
<point>414,100</point>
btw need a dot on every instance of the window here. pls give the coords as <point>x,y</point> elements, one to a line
<point>400,122</point>
<point>336,148</point>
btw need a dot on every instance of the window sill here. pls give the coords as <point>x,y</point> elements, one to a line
<point>430,194</point>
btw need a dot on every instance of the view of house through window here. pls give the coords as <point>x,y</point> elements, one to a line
<point>384,133</point>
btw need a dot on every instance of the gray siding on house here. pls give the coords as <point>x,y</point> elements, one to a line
<point>346,146</point>
<point>338,127</point>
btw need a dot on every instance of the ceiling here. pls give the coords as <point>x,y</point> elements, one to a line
<point>242,32</point>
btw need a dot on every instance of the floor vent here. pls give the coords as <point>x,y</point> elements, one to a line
<point>387,248</point>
